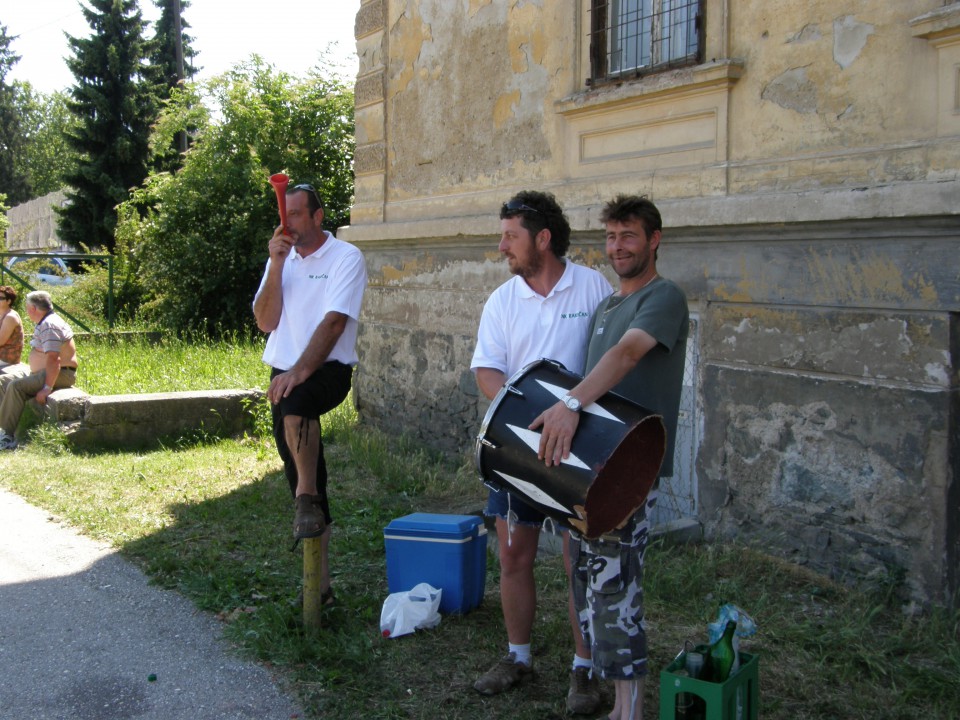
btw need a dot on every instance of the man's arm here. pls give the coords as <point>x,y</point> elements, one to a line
<point>51,366</point>
<point>268,304</point>
<point>560,423</point>
<point>314,355</point>
<point>490,381</point>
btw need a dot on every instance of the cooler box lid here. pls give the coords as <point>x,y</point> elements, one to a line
<point>430,526</point>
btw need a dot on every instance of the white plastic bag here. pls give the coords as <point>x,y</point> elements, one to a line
<point>404,612</point>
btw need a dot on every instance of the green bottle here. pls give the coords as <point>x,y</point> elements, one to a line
<point>722,654</point>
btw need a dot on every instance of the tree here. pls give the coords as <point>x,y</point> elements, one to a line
<point>45,121</point>
<point>12,181</point>
<point>113,104</point>
<point>200,235</point>
<point>165,69</point>
<point>4,221</point>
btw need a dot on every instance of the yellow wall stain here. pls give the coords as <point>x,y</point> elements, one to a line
<point>406,43</point>
<point>874,278</point>
<point>409,269</point>
<point>503,108</point>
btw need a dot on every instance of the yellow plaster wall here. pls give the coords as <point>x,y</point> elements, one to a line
<point>484,97</point>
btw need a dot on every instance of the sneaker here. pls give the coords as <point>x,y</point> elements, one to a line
<point>503,676</point>
<point>583,697</point>
<point>308,519</point>
<point>7,442</point>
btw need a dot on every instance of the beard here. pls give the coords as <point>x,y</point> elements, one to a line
<point>635,269</point>
<point>528,268</point>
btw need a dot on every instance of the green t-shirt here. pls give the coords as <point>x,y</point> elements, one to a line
<point>659,309</point>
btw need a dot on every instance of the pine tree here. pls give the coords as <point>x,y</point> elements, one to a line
<point>165,70</point>
<point>13,182</point>
<point>114,108</point>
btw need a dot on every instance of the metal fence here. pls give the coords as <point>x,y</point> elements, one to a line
<point>23,280</point>
<point>678,493</point>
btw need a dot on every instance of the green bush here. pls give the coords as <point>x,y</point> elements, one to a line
<point>198,238</point>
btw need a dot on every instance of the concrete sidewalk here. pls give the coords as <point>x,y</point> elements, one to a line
<point>83,636</point>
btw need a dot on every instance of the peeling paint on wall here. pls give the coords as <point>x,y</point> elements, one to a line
<point>849,38</point>
<point>792,90</point>
<point>809,33</point>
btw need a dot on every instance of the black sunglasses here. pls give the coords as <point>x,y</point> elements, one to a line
<point>515,206</point>
<point>310,189</point>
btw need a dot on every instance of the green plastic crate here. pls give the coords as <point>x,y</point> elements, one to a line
<point>720,698</point>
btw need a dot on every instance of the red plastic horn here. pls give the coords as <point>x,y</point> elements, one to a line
<point>280,182</point>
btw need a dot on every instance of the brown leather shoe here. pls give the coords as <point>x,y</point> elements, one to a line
<point>583,697</point>
<point>308,519</point>
<point>503,676</point>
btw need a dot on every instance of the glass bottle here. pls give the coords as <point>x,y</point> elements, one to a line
<point>722,654</point>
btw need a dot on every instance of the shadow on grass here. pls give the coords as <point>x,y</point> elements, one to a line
<point>231,556</point>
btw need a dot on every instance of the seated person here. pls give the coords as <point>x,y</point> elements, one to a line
<point>11,329</point>
<point>53,364</point>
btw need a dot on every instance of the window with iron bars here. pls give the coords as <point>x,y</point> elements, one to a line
<point>629,38</point>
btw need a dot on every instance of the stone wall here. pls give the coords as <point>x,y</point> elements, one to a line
<point>809,191</point>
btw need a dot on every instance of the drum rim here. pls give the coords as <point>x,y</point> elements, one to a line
<point>495,403</point>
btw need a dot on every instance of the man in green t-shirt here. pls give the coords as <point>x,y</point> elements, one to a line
<point>637,348</point>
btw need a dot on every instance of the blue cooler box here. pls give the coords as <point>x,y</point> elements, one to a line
<point>447,551</point>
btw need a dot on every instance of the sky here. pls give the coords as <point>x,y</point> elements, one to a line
<point>289,36</point>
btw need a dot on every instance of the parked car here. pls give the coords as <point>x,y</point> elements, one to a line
<point>52,271</point>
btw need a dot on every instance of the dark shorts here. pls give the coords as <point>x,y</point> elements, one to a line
<point>318,394</point>
<point>503,504</point>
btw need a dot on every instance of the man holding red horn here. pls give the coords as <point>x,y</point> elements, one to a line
<point>309,301</point>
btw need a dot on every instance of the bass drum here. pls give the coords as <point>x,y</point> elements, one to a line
<point>614,458</point>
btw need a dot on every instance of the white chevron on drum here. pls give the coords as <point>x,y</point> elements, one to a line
<point>532,439</point>
<point>533,492</point>
<point>592,408</point>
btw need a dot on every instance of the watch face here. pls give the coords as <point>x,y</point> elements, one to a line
<point>572,403</point>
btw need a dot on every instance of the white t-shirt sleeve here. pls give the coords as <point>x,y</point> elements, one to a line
<point>349,282</point>
<point>491,350</point>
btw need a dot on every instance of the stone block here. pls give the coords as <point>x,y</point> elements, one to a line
<point>143,420</point>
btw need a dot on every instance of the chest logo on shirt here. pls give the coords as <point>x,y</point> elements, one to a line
<point>321,276</point>
<point>574,315</point>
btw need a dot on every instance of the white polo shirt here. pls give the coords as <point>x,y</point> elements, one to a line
<point>518,326</point>
<point>330,280</point>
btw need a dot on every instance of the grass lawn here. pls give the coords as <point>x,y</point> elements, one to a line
<point>212,520</point>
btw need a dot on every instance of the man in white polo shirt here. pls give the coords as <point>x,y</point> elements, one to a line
<point>309,301</point>
<point>544,311</point>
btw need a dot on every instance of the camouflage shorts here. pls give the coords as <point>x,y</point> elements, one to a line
<point>607,581</point>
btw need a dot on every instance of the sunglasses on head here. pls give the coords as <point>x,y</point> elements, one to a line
<point>515,206</point>
<point>305,187</point>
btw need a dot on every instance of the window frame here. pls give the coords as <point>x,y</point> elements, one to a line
<point>600,37</point>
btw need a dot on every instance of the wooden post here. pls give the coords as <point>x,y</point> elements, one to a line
<point>311,583</point>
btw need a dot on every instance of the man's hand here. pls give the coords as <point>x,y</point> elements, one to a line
<point>282,385</point>
<point>559,426</point>
<point>280,246</point>
<point>41,397</point>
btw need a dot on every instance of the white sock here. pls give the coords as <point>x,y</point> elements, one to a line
<point>579,662</point>
<point>522,653</point>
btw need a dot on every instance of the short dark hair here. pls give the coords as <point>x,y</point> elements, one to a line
<point>541,211</point>
<point>314,202</point>
<point>633,207</point>
<point>9,292</point>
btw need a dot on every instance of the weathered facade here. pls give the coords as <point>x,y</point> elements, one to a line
<point>806,158</point>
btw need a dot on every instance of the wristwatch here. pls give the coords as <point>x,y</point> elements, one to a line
<point>571,402</point>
